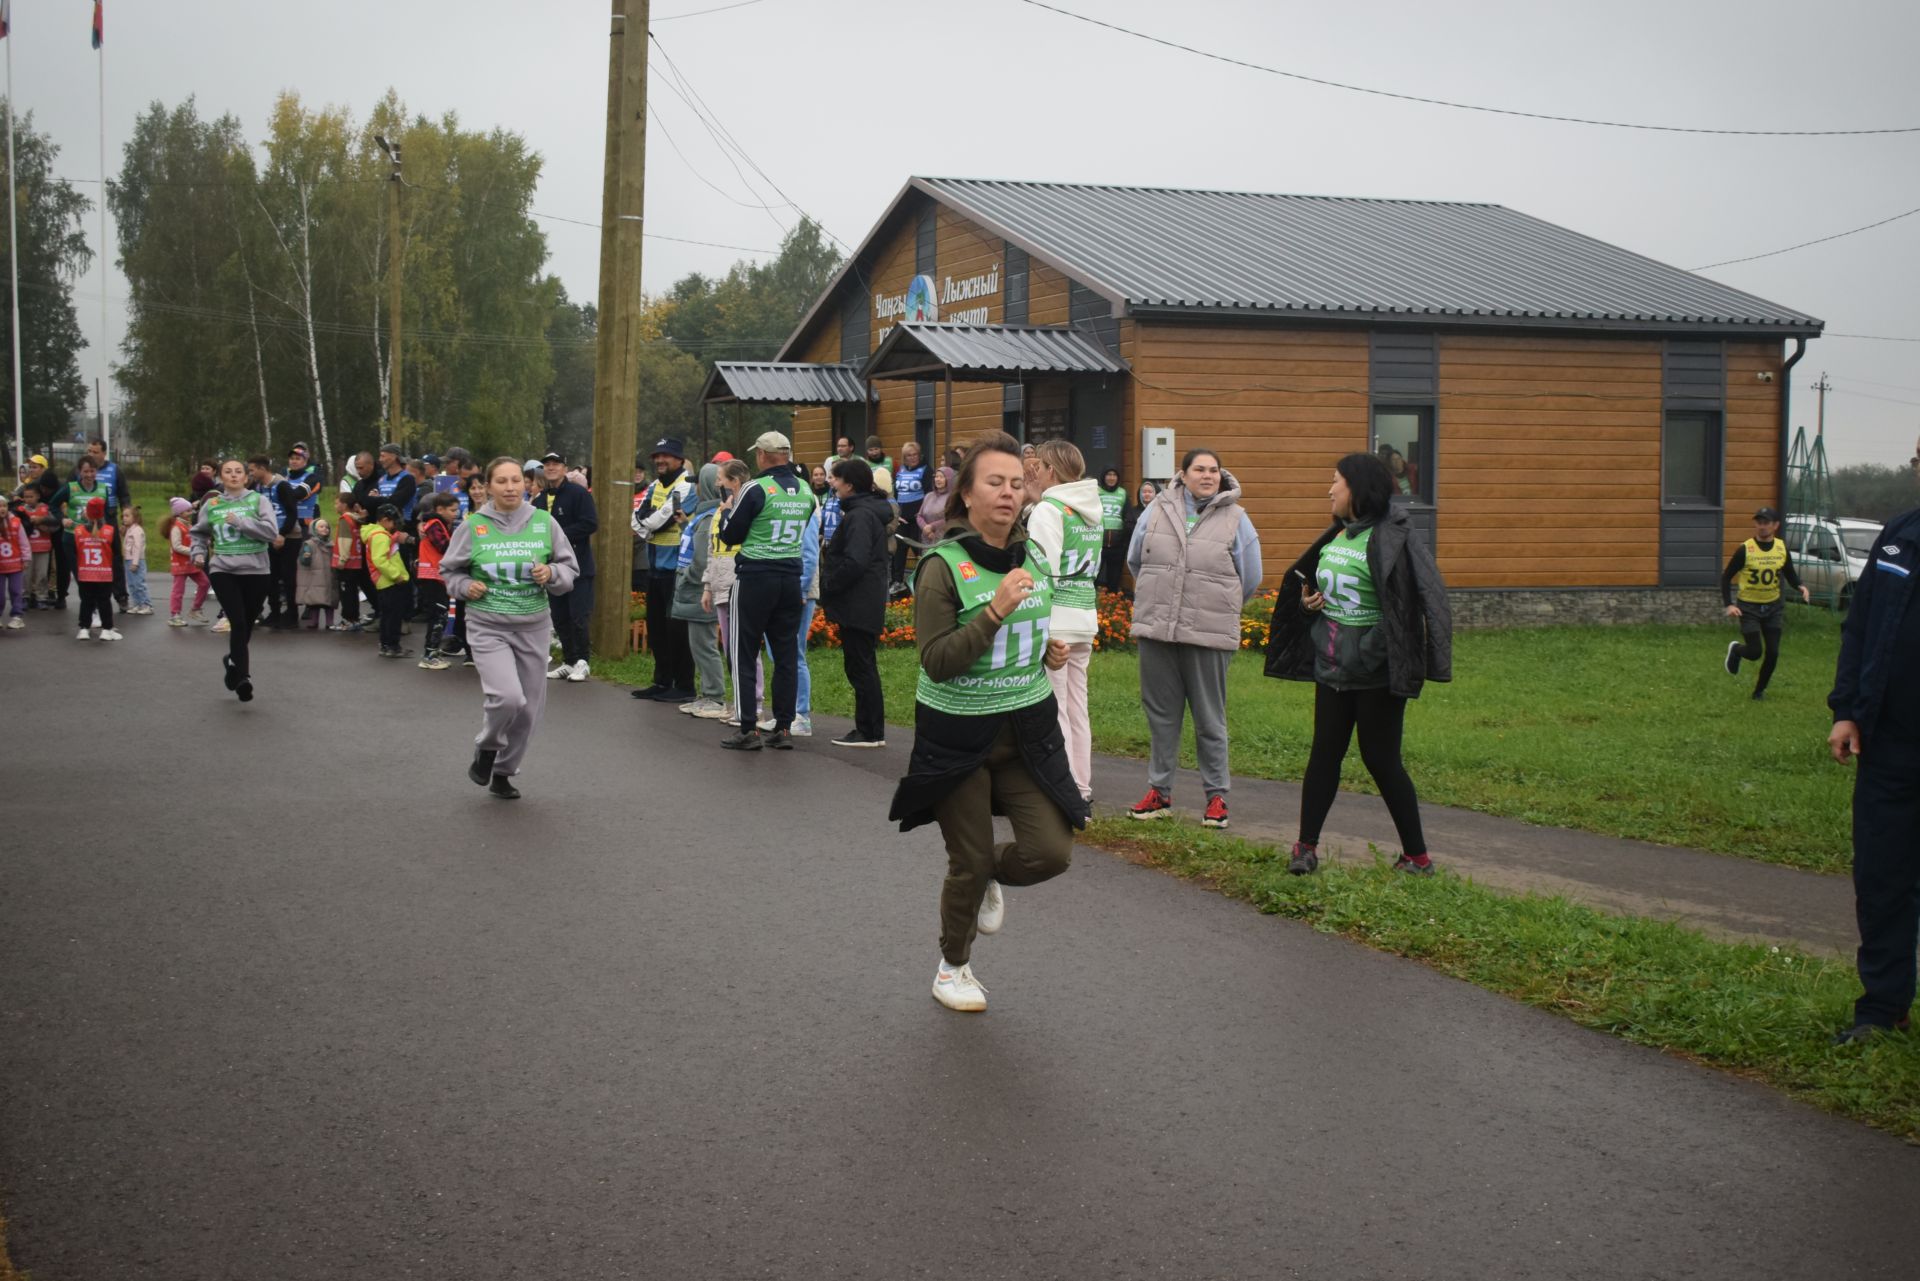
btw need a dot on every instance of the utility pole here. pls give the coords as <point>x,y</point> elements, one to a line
<point>616,391</point>
<point>1823,387</point>
<point>394,282</point>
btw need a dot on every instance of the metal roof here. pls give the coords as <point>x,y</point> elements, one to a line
<point>1003,352</point>
<point>782,383</point>
<point>1160,250</point>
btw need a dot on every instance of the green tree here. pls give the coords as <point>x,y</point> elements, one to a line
<point>1872,491</point>
<point>566,410</point>
<point>53,253</point>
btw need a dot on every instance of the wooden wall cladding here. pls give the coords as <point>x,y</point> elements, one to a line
<point>1753,434</point>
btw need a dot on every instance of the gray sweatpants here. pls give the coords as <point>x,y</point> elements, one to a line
<point>512,662</point>
<point>704,640</point>
<point>1173,678</point>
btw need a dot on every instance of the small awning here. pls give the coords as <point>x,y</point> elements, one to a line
<point>987,353</point>
<point>767,382</point>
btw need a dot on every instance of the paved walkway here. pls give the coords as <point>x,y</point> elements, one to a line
<point>282,995</point>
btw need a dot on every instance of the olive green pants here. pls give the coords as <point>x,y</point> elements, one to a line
<point>1041,848</point>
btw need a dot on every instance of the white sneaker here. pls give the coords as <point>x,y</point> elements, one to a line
<point>802,727</point>
<point>766,726</point>
<point>15,623</point>
<point>993,909</point>
<point>707,709</point>
<point>578,672</point>
<point>957,989</point>
<point>84,634</point>
<point>176,621</point>
<point>109,634</point>
<point>197,619</point>
<point>558,672</point>
<point>222,625</point>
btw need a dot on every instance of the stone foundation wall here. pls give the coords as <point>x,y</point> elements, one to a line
<point>1540,607</point>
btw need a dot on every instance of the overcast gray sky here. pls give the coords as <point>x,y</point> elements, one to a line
<point>840,100</point>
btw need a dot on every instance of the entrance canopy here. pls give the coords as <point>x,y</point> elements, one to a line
<point>771,382</point>
<point>987,353</point>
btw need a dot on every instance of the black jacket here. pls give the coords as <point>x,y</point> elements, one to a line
<point>853,568</point>
<point>1416,623</point>
<point>572,508</point>
<point>403,491</point>
<point>1880,601</point>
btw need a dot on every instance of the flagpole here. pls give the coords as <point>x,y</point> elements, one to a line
<point>106,258</point>
<point>13,262</point>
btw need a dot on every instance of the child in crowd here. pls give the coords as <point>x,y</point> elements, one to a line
<point>93,569</point>
<point>41,527</point>
<point>13,567</point>
<point>314,581</point>
<point>383,540</point>
<point>348,562</point>
<point>436,531</point>
<point>133,546</point>
<point>180,563</point>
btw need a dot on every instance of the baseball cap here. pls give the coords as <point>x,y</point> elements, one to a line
<point>432,460</point>
<point>668,445</point>
<point>532,464</point>
<point>1766,513</point>
<point>390,448</point>
<point>553,456</point>
<point>40,459</point>
<point>298,447</point>
<point>723,457</point>
<point>772,442</point>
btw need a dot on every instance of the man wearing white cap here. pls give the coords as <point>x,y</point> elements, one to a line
<point>768,524</point>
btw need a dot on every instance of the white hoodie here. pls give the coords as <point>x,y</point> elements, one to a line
<point>1046,534</point>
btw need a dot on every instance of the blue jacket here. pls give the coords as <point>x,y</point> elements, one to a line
<point>1867,661</point>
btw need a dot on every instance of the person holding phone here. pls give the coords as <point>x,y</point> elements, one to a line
<point>504,563</point>
<point>1364,615</point>
<point>986,727</point>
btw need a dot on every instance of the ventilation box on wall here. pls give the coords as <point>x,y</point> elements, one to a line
<point>1156,453</point>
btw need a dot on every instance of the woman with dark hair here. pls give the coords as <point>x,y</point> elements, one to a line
<point>504,562</point>
<point>986,729</point>
<point>231,538</point>
<point>853,592</point>
<point>1369,625</point>
<point>1196,561</point>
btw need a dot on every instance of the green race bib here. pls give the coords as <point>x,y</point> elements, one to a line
<point>1010,675</point>
<point>777,530</point>
<point>1111,506</point>
<point>1347,582</point>
<point>1079,559</point>
<point>228,541</point>
<point>504,561</point>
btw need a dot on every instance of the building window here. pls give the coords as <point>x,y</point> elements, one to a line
<point>1403,438</point>
<point>923,432</point>
<point>1690,459</point>
<point>1013,422</point>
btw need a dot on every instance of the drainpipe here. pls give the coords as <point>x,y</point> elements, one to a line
<point>1786,404</point>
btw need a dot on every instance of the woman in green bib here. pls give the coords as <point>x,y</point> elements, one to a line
<point>1364,616</point>
<point>231,539</point>
<point>986,730</point>
<point>503,563</point>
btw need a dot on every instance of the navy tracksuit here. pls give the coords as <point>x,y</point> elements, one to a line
<point>1875,687</point>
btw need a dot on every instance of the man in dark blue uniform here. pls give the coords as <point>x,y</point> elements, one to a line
<point>1876,720</point>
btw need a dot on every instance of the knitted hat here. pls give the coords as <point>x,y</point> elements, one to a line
<point>180,506</point>
<point>96,509</point>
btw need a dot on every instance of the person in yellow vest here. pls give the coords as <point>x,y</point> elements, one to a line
<point>1750,588</point>
<point>658,518</point>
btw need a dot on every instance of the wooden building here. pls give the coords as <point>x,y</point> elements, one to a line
<point>1582,430</point>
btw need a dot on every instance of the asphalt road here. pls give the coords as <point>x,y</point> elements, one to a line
<point>283,996</point>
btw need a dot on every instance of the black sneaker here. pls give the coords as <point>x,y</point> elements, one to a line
<point>1733,658</point>
<point>780,741</point>
<point>482,768</point>
<point>1759,695</point>
<point>1860,1033</point>
<point>650,692</point>
<point>854,738</point>
<point>503,787</point>
<point>232,677</point>
<point>747,740</point>
<point>1411,868</point>
<point>1305,860</point>
<point>244,690</point>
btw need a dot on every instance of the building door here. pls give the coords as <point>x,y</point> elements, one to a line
<point>1095,416</point>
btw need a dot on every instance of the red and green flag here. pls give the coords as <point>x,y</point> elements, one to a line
<point>99,23</point>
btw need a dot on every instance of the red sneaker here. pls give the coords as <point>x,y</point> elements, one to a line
<point>1155,804</point>
<point>1216,815</point>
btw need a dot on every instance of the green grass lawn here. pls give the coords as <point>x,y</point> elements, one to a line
<point>1762,1011</point>
<point>1626,731</point>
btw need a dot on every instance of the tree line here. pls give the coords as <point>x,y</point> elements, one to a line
<point>257,292</point>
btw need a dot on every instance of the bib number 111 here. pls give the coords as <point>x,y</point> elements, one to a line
<point>1023,634</point>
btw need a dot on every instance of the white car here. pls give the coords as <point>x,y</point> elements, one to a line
<point>1823,558</point>
<point>1859,536</point>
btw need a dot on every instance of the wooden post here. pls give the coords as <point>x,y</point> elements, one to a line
<point>616,393</point>
<point>395,279</point>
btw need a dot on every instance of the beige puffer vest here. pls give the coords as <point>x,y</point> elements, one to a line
<point>1187,591</point>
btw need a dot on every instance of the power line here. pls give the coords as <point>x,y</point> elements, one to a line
<point>1865,395</point>
<point>655,235</point>
<point>1870,337</point>
<point>701,13</point>
<point>1459,106</point>
<point>1774,253</point>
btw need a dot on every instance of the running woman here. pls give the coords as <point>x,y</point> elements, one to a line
<point>1369,625</point>
<point>93,568</point>
<point>986,728</point>
<point>1760,563</point>
<point>504,562</point>
<point>231,538</point>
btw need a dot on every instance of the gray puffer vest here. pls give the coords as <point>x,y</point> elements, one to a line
<point>1188,591</point>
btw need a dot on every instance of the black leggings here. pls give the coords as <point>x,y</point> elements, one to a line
<point>1769,633</point>
<point>1380,717</point>
<point>240,597</point>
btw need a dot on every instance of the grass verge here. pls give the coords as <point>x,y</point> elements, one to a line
<point>1763,1012</point>
<point>7,1272</point>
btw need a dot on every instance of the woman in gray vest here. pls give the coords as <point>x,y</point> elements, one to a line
<point>1364,616</point>
<point>1196,560</point>
<point>504,562</point>
<point>986,731</point>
